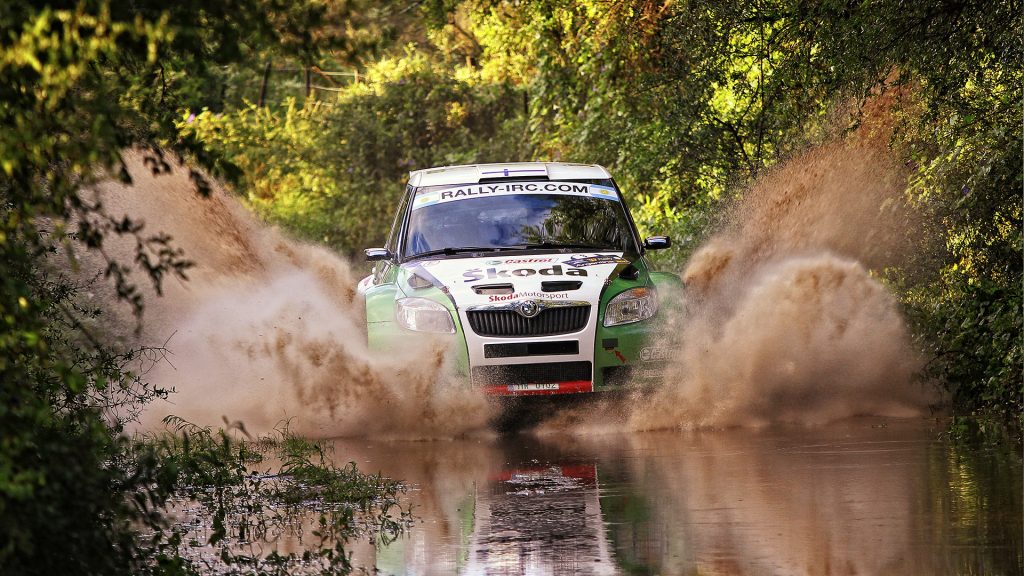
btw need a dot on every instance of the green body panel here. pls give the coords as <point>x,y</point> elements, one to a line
<point>380,300</point>
<point>383,333</point>
<point>637,353</point>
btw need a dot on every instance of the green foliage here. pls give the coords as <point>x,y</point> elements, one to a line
<point>333,170</point>
<point>974,331</point>
<point>679,102</point>
<point>966,146</point>
<point>258,489</point>
<point>63,500</point>
<point>57,488</point>
<point>80,81</point>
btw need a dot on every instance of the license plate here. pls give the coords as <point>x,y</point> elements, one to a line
<point>530,387</point>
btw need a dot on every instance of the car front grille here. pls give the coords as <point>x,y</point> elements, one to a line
<point>543,373</point>
<point>549,322</point>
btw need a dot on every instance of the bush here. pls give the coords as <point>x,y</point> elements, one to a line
<point>333,170</point>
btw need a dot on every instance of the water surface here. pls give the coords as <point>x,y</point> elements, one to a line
<point>865,496</point>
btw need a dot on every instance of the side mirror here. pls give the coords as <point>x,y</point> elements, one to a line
<point>375,254</point>
<point>658,243</point>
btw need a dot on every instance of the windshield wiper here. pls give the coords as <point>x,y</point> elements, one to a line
<point>460,250</point>
<point>570,246</point>
<point>486,249</point>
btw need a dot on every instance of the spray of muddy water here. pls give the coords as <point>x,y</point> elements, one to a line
<point>268,329</point>
<point>784,320</point>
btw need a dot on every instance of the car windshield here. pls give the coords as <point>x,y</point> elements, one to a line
<point>518,215</point>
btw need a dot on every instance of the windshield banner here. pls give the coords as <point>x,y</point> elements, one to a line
<point>467,191</point>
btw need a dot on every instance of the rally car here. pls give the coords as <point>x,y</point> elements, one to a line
<point>535,271</point>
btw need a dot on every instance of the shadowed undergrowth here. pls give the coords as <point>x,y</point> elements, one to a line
<point>237,502</point>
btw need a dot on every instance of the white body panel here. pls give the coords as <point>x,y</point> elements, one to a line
<point>459,276</point>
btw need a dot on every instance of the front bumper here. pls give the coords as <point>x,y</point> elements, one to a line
<point>595,359</point>
<point>613,358</point>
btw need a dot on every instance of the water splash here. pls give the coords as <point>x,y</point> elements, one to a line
<point>785,321</point>
<point>268,329</point>
<point>811,339</point>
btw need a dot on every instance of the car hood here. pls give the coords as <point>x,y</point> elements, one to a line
<point>498,280</point>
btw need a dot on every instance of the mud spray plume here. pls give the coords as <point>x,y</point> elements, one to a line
<point>785,321</point>
<point>269,329</point>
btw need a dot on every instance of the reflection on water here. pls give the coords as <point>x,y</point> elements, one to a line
<point>866,496</point>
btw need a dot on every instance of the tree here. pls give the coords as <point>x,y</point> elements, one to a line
<point>81,81</point>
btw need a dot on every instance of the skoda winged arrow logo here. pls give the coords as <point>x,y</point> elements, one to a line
<point>529,309</point>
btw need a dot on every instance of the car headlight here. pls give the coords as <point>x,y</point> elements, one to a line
<point>423,315</point>
<point>631,306</point>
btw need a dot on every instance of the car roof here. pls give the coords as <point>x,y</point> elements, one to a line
<point>473,173</point>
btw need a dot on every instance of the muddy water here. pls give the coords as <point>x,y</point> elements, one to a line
<point>863,496</point>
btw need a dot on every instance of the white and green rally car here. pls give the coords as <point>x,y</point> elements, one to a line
<point>536,271</point>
